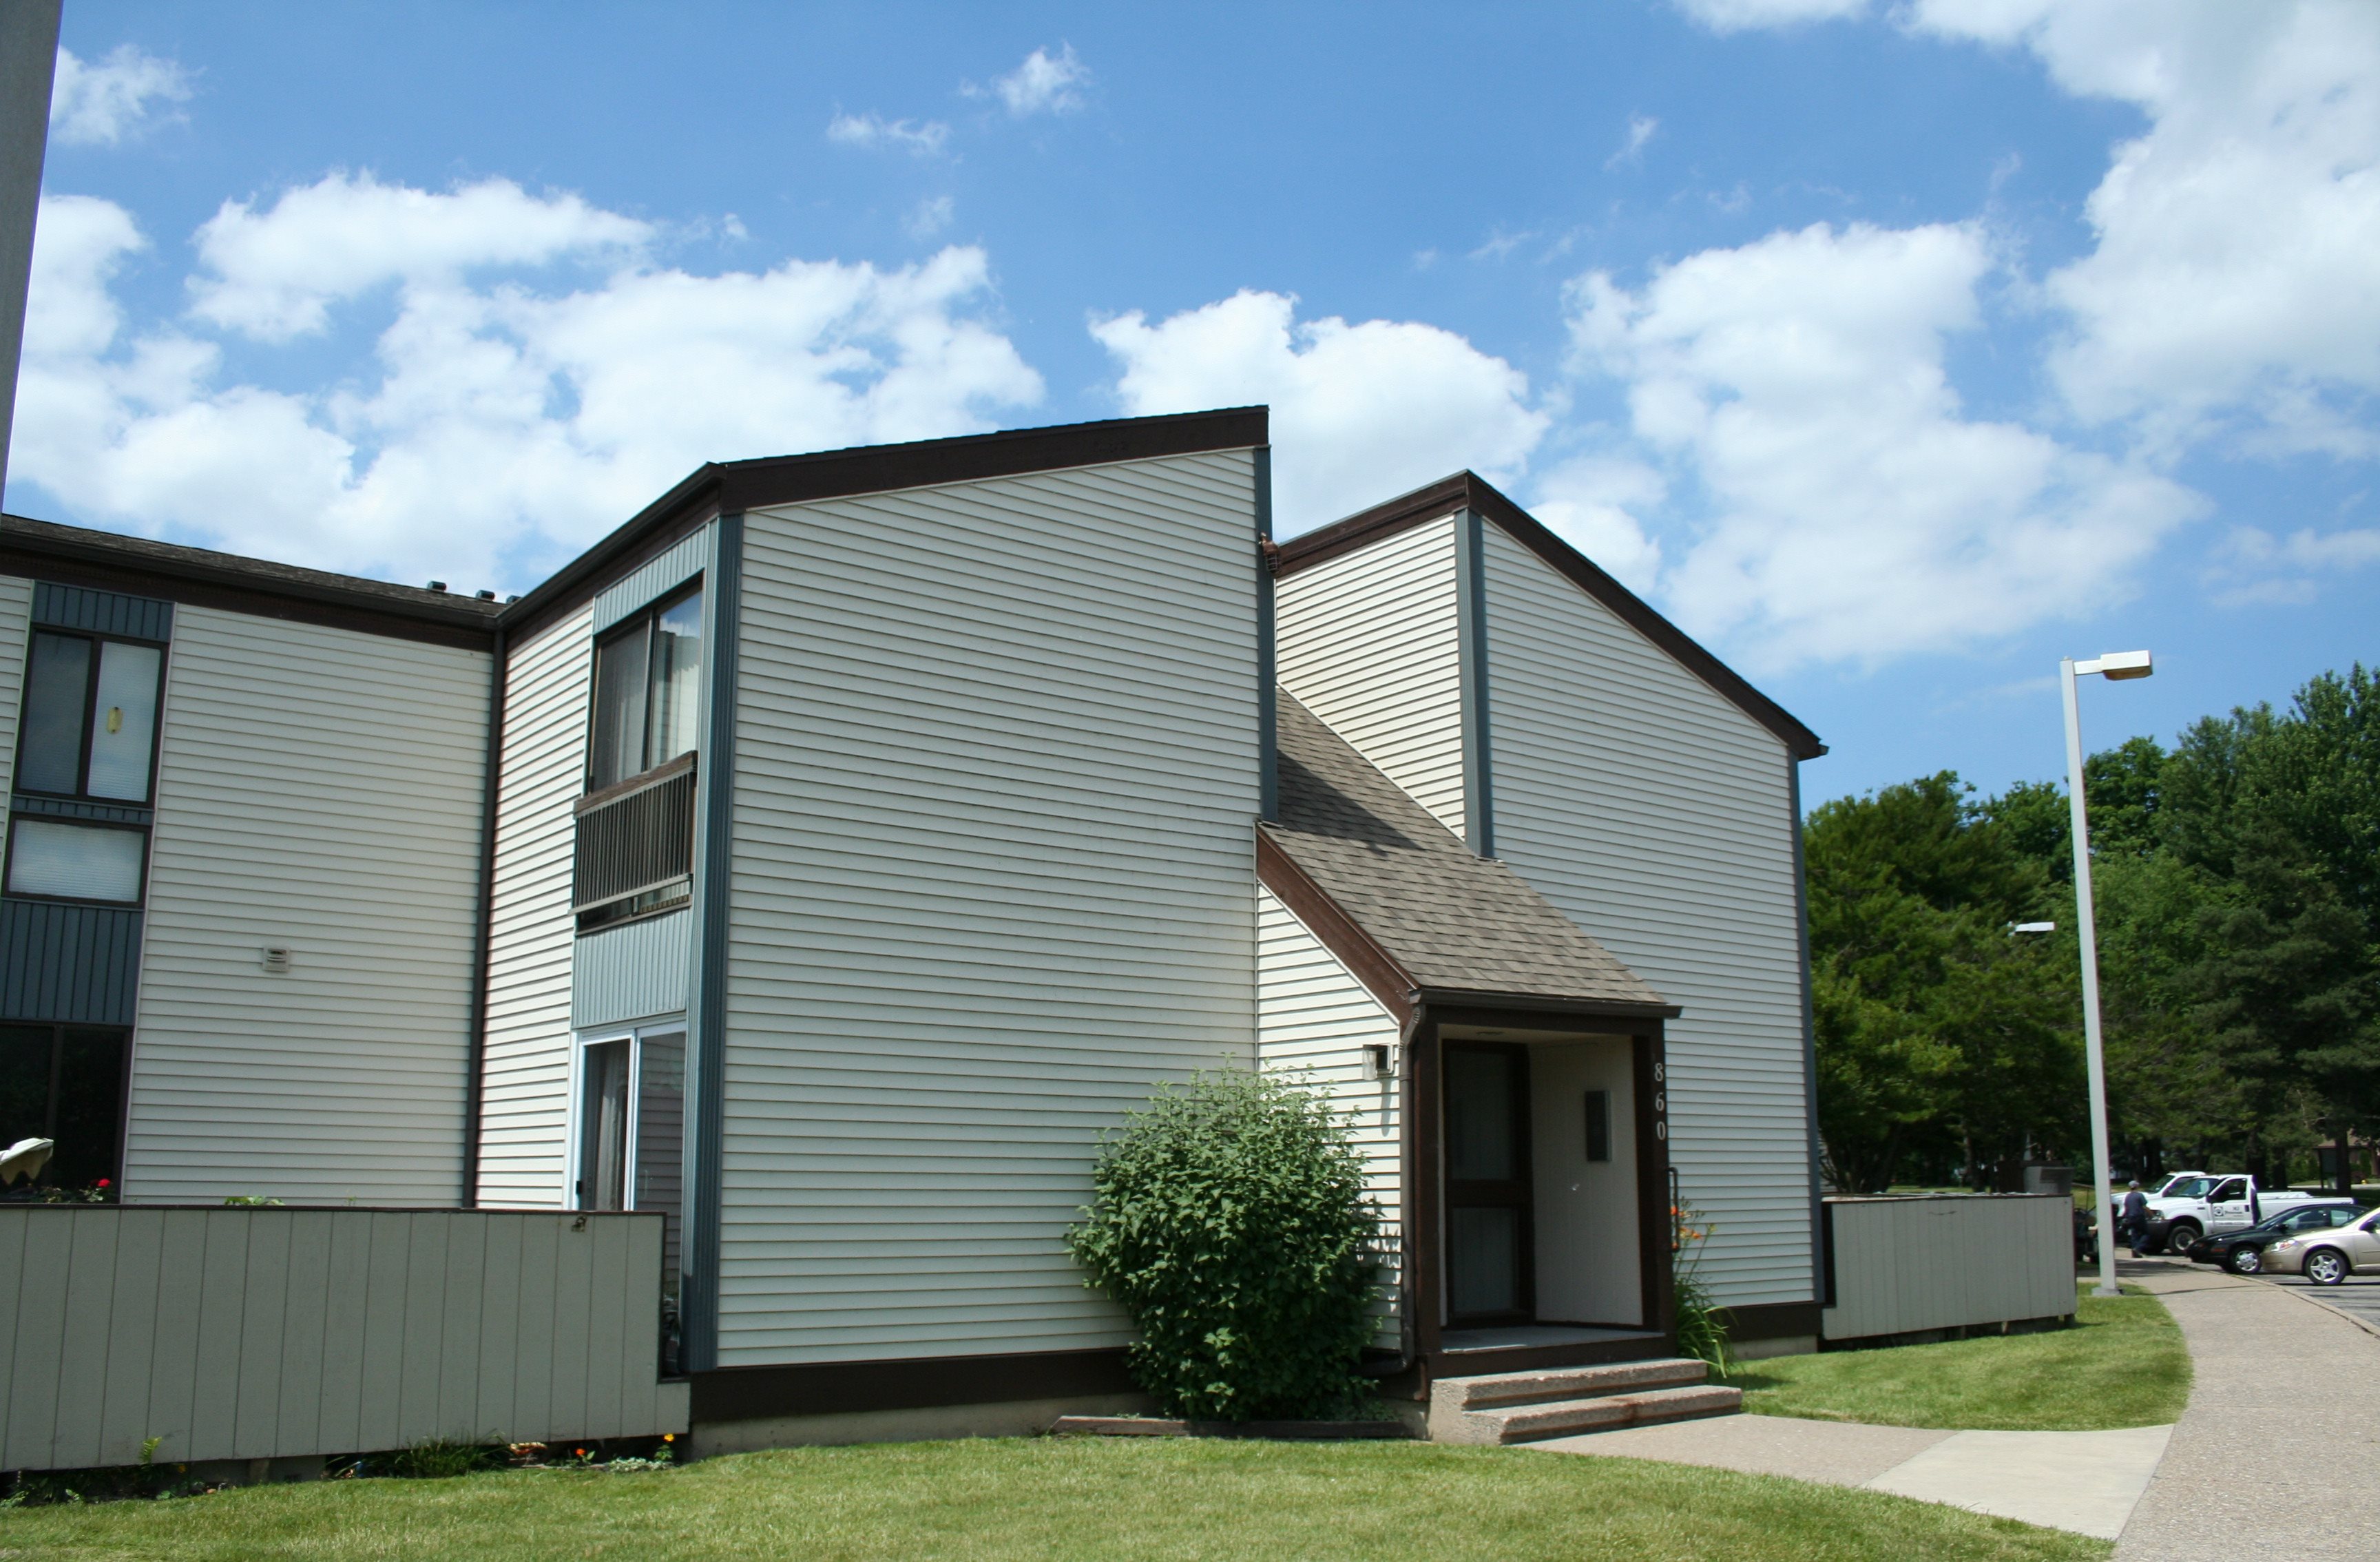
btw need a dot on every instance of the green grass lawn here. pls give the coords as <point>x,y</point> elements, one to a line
<point>2122,1365</point>
<point>1058,1498</point>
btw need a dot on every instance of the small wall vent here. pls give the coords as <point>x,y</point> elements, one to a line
<point>276,962</point>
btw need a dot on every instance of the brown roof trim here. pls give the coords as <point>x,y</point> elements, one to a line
<point>733,487</point>
<point>1467,489</point>
<point>107,561</point>
<point>1340,934</point>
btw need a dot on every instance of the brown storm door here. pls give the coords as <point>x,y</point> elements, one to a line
<point>1490,1263</point>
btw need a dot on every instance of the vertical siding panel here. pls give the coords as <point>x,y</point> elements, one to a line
<point>40,1338</point>
<point>317,790</point>
<point>607,1331</point>
<point>387,1297</point>
<point>540,1282</point>
<point>181,1306</point>
<point>996,767</point>
<point>425,1322</point>
<point>90,1284</point>
<point>574,1272</point>
<point>1369,642</point>
<point>264,1324</point>
<point>304,1353</point>
<point>13,1224</point>
<point>346,1300</point>
<point>458,1351</point>
<point>525,1076</point>
<point>1658,817</point>
<point>214,1387</point>
<point>495,1394</point>
<point>133,1328</point>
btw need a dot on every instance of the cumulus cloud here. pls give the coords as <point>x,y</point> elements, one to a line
<point>101,103</point>
<point>1045,83</point>
<point>1852,511</point>
<point>2254,566</point>
<point>1594,503</point>
<point>1360,412</point>
<point>920,139</point>
<point>504,422</point>
<point>1737,15</point>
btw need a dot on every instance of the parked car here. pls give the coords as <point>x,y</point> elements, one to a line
<point>2193,1207</point>
<point>2327,1257</point>
<point>2242,1252</point>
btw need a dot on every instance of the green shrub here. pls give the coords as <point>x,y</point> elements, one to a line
<point>1702,1322</point>
<point>438,1458</point>
<point>1232,1226</point>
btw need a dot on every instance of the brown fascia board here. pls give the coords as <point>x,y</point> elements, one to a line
<point>76,555</point>
<point>733,487</point>
<point>1467,489</point>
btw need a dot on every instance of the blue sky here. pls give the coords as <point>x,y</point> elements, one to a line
<point>1895,351</point>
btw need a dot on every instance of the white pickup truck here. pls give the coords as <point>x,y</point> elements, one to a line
<point>2189,1208</point>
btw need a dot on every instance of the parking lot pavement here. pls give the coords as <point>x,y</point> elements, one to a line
<point>2359,1298</point>
<point>2279,1424</point>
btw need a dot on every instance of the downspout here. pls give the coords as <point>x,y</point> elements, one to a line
<point>490,792</point>
<point>1409,1137</point>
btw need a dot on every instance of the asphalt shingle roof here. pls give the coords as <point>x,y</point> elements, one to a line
<point>1455,921</point>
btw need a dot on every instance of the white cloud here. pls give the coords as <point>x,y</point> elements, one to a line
<point>930,217</point>
<point>1641,127</point>
<point>918,138</point>
<point>1852,511</point>
<point>2252,565</point>
<point>502,425</point>
<point>98,104</point>
<point>274,274</point>
<point>1593,503</point>
<point>1360,413</point>
<point>1736,16</point>
<point>1043,84</point>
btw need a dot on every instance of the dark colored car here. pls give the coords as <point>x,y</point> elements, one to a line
<point>2242,1252</point>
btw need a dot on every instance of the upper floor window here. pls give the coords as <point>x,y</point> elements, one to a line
<point>91,718</point>
<point>648,686</point>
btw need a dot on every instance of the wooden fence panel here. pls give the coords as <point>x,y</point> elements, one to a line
<point>1903,1265</point>
<point>268,1332</point>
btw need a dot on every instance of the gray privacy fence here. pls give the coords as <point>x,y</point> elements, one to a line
<point>266,1333</point>
<point>1905,1265</point>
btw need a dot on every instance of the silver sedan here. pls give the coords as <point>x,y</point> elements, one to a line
<point>2327,1257</point>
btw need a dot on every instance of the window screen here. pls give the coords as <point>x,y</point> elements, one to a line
<point>603,1127</point>
<point>49,857</point>
<point>58,693</point>
<point>647,693</point>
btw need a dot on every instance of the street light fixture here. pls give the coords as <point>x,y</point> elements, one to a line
<point>2118,666</point>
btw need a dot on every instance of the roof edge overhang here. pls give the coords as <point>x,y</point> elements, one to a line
<point>733,487</point>
<point>1468,490</point>
<point>109,561</point>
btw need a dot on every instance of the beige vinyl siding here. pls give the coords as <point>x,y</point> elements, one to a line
<point>996,766</point>
<point>1658,817</point>
<point>1369,642</point>
<point>15,621</point>
<point>525,1100</point>
<point>317,790</point>
<point>1313,1020</point>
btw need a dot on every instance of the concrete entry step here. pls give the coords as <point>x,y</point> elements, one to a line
<point>1521,1406</point>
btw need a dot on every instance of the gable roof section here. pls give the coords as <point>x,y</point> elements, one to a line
<point>733,487</point>
<point>75,556</point>
<point>1467,489</point>
<point>1409,908</point>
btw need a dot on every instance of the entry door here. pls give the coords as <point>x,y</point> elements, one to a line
<point>1489,1262</point>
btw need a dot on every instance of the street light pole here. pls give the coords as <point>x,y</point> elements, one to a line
<point>2119,665</point>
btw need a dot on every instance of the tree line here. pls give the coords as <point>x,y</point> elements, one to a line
<point>2237,891</point>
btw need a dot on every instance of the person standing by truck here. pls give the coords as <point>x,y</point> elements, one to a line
<point>2132,1218</point>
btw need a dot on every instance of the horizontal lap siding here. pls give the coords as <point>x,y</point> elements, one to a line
<point>1658,817</point>
<point>1369,643</point>
<point>525,1104</point>
<point>318,790</point>
<point>996,768</point>
<point>1313,1020</point>
<point>15,618</point>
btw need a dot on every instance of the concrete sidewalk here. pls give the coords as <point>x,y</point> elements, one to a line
<point>2272,1458</point>
<point>2086,1481</point>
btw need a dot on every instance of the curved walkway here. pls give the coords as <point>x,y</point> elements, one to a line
<point>2274,1456</point>
<point>2271,1457</point>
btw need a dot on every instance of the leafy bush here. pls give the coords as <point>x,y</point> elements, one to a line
<point>1702,1322</point>
<point>438,1458</point>
<point>1232,1226</point>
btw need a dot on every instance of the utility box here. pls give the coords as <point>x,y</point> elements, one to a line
<point>2050,1179</point>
